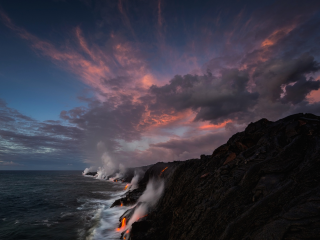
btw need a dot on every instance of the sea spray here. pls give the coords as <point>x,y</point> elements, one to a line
<point>109,218</point>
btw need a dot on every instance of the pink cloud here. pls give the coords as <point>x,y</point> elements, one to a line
<point>121,74</point>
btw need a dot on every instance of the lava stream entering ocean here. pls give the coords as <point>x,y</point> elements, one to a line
<point>123,225</point>
<point>126,234</point>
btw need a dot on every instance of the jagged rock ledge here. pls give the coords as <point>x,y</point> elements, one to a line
<point>264,183</point>
<point>90,174</point>
<point>154,171</point>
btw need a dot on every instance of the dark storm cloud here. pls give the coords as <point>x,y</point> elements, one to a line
<point>275,73</point>
<point>280,84</point>
<point>298,92</point>
<point>214,98</point>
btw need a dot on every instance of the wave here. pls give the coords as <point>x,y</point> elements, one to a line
<point>102,220</point>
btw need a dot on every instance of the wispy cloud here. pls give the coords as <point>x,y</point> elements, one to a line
<point>179,89</point>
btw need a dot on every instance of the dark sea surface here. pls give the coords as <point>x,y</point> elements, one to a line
<point>62,205</point>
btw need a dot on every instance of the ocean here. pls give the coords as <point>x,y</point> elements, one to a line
<point>62,205</point>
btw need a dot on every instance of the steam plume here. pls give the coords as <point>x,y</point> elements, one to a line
<point>147,200</point>
<point>90,169</point>
<point>134,182</point>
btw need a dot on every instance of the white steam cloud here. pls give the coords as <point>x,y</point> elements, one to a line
<point>147,200</point>
<point>90,169</point>
<point>100,145</point>
<point>109,165</point>
<point>108,168</point>
<point>134,181</point>
<point>122,168</point>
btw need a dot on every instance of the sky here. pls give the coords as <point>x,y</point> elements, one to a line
<point>124,83</point>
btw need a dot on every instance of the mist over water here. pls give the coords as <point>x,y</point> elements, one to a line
<point>57,205</point>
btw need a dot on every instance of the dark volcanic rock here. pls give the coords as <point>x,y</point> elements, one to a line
<point>264,183</point>
<point>91,173</point>
<point>155,171</point>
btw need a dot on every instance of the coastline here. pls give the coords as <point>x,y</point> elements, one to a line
<point>250,187</point>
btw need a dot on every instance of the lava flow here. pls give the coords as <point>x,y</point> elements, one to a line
<point>126,186</point>
<point>162,171</point>
<point>123,225</point>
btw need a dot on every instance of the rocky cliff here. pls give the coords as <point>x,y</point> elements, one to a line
<point>264,183</point>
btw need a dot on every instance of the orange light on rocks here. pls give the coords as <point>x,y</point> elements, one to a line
<point>162,171</point>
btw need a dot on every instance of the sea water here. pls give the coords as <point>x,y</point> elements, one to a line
<point>62,205</point>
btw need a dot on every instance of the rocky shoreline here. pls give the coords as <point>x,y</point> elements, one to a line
<point>264,183</point>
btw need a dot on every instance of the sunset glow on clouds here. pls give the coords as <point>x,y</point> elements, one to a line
<point>167,82</point>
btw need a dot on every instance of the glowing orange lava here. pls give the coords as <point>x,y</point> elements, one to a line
<point>162,171</point>
<point>126,186</point>
<point>123,224</point>
<point>121,205</point>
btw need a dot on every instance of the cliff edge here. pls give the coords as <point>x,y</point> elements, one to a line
<point>264,183</point>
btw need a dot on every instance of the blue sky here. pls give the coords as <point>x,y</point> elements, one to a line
<point>104,83</point>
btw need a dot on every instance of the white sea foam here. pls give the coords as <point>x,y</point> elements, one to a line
<point>106,220</point>
<point>108,224</point>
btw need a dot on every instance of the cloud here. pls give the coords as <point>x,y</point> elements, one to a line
<point>236,67</point>
<point>3,163</point>
<point>193,147</point>
<point>21,135</point>
<point>271,75</point>
<point>299,90</point>
<point>215,99</point>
